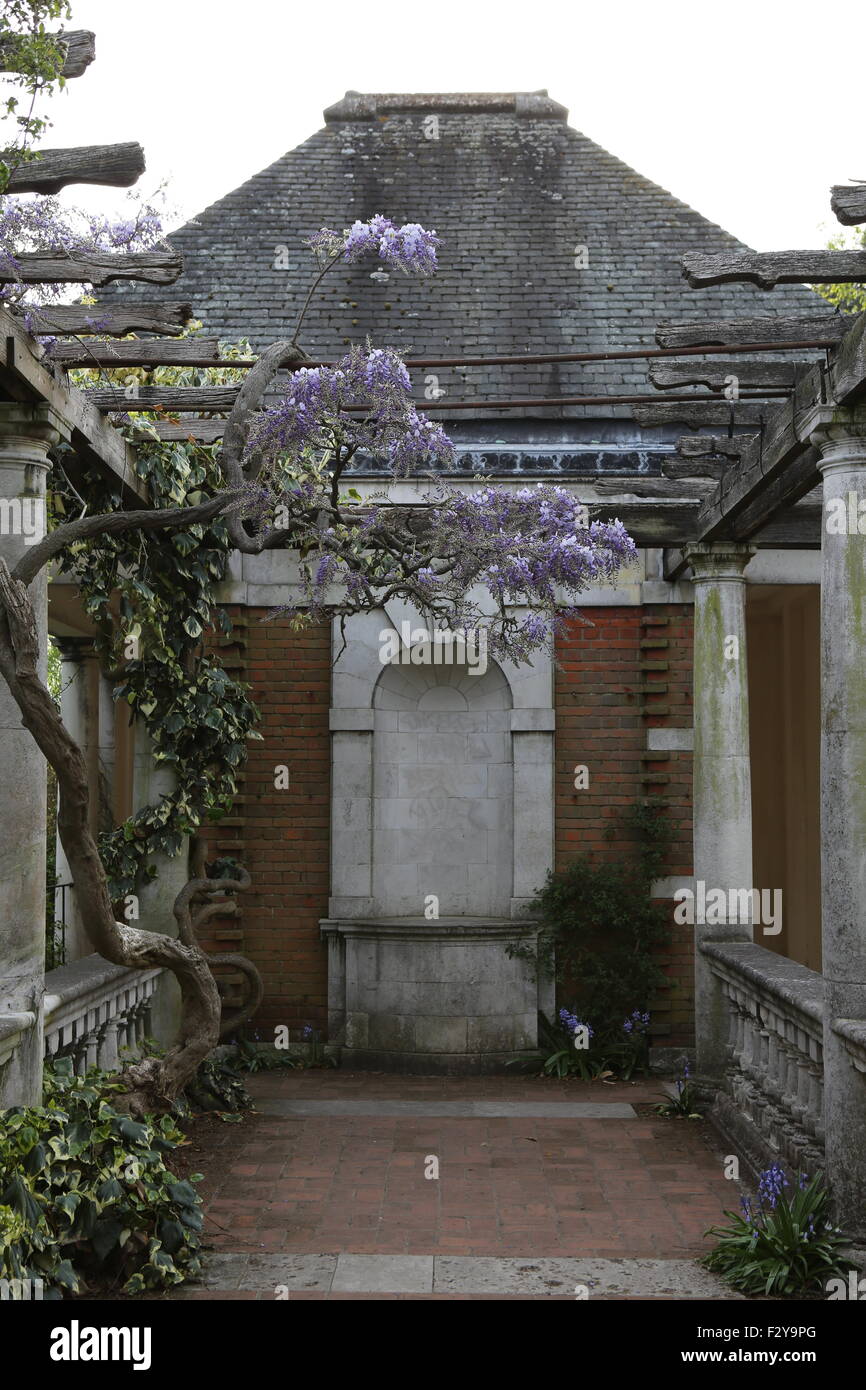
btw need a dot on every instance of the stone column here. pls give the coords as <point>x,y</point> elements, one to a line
<point>79,678</point>
<point>156,896</point>
<point>26,435</point>
<point>722,835</point>
<point>841,440</point>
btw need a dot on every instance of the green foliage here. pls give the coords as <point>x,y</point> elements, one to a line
<point>85,1194</point>
<point>848,299</point>
<point>683,1105</point>
<point>253,1057</point>
<point>600,927</point>
<point>788,1248</point>
<point>149,595</point>
<point>33,60</point>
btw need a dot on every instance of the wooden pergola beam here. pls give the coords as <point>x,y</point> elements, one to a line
<point>25,377</point>
<point>128,316</point>
<point>848,202</point>
<point>144,352</point>
<point>818,328</point>
<point>715,373</point>
<point>768,458</point>
<point>699,414</point>
<point>55,268</point>
<point>178,398</point>
<point>80,46</point>
<point>112,166</point>
<point>767,269</point>
<point>691,446</point>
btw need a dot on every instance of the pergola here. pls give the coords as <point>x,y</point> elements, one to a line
<point>776,408</point>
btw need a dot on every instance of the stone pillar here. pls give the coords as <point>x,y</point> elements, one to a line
<point>841,440</point>
<point>156,897</point>
<point>722,834</point>
<point>79,707</point>
<point>26,435</point>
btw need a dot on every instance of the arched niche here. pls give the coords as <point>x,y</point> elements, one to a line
<point>443,790</point>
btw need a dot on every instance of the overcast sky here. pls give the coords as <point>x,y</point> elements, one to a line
<point>737,106</point>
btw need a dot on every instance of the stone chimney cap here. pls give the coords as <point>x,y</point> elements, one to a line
<point>367,106</point>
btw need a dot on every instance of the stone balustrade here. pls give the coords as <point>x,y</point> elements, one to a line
<point>772,1095</point>
<point>94,1009</point>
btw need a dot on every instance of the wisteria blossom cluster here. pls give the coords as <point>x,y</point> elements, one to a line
<point>363,403</point>
<point>36,223</point>
<point>409,248</point>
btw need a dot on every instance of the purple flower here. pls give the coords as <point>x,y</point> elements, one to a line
<point>409,248</point>
<point>771,1185</point>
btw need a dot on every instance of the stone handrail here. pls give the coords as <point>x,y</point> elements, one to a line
<point>12,1029</point>
<point>775,1075</point>
<point>93,1009</point>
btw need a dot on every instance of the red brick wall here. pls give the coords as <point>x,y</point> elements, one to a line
<point>281,836</point>
<point>605,702</point>
<point>602,717</point>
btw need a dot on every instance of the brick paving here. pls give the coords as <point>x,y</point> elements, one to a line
<point>610,1188</point>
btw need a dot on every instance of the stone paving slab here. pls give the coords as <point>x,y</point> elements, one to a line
<point>504,1184</point>
<point>457,1275</point>
<point>456,1109</point>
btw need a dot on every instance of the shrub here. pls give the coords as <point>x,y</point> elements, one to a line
<point>600,928</point>
<point>85,1194</point>
<point>785,1246</point>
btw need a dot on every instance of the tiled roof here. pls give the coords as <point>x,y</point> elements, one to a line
<point>513,191</point>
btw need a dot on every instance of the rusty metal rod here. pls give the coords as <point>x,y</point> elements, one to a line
<point>529,359</point>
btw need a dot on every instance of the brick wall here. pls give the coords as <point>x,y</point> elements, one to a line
<point>281,836</point>
<point>628,672</point>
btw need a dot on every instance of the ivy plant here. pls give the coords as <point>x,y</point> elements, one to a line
<point>150,597</point>
<point>86,1196</point>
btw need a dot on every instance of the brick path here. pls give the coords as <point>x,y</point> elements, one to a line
<point>517,1188</point>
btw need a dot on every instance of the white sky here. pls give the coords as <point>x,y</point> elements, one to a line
<point>739,107</point>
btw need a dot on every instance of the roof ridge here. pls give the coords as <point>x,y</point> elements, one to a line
<point>366,106</point>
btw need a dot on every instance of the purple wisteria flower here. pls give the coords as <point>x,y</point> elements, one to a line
<point>409,248</point>
<point>307,1030</point>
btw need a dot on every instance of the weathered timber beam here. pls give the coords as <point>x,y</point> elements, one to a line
<point>848,365</point>
<point>716,374</point>
<point>767,457</point>
<point>821,328</point>
<point>704,445</point>
<point>144,352</point>
<point>165,398</point>
<point>114,166</point>
<point>205,431</point>
<point>24,376</point>
<point>645,488</point>
<point>699,467</point>
<point>700,414</point>
<point>55,268</point>
<point>120,319</point>
<point>769,268</point>
<point>772,501</point>
<point>848,202</point>
<point>80,48</point>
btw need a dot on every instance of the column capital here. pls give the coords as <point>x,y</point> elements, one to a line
<point>35,423</point>
<point>838,433</point>
<point>717,560</point>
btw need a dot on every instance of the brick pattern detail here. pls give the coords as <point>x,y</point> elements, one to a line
<point>281,836</point>
<point>628,672</point>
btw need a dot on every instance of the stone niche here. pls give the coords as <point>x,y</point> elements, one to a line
<point>442,831</point>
